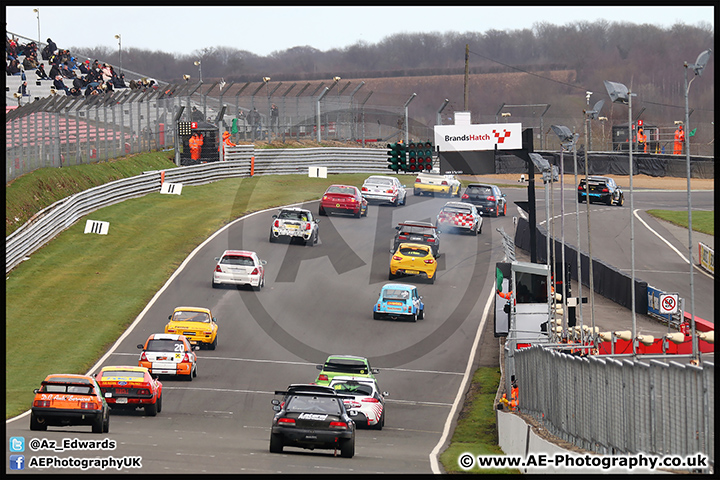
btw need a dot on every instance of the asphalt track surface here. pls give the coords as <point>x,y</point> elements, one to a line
<point>318,301</point>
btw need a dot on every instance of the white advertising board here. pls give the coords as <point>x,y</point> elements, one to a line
<point>463,138</point>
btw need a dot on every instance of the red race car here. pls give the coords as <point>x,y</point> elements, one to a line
<point>130,388</point>
<point>343,199</point>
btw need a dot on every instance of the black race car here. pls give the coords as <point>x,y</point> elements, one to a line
<point>601,189</point>
<point>487,198</point>
<point>424,233</point>
<point>310,417</point>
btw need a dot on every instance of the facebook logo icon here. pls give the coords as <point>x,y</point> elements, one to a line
<point>17,462</point>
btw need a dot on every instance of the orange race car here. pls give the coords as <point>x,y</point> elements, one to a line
<point>169,354</point>
<point>66,399</point>
<point>130,388</point>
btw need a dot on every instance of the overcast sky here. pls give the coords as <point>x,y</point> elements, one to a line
<point>263,30</point>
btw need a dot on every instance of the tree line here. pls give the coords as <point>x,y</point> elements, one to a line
<point>647,58</point>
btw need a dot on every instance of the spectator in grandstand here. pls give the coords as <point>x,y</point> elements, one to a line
<point>49,50</point>
<point>60,85</point>
<point>23,89</point>
<point>54,71</point>
<point>30,62</point>
<point>66,72</point>
<point>75,92</point>
<point>84,67</point>
<point>40,72</point>
<point>119,81</point>
<point>13,68</point>
<point>106,72</point>
<point>11,50</point>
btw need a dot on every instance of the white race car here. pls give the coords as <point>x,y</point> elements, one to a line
<point>239,267</point>
<point>461,216</point>
<point>382,188</point>
<point>368,402</point>
<point>295,223</point>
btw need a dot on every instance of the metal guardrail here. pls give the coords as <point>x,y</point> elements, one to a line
<point>612,406</point>
<point>50,221</point>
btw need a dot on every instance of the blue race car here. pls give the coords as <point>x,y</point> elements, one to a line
<point>399,300</point>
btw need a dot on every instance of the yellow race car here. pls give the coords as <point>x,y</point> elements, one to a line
<point>196,323</point>
<point>413,259</point>
<point>433,183</point>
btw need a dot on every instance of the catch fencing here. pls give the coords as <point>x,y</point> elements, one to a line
<point>613,406</point>
<point>57,130</point>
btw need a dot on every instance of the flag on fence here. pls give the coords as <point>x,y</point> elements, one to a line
<point>692,133</point>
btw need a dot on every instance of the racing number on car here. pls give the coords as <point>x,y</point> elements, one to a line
<point>178,348</point>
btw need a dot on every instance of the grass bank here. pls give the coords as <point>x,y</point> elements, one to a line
<point>72,299</point>
<point>476,430</point>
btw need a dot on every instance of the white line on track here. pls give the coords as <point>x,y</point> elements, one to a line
<point>285,362</point>
<point>434,465</point>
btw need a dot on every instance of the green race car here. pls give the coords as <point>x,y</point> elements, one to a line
<point>344,365</point>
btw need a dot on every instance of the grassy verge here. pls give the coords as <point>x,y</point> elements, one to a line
<point>703,222</point>
<point>72,299</point>
<point>476,430</point>
<point>27,195</point>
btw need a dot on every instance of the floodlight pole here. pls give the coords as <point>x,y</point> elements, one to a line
<point>590,258</point>
<point>632,229</point>
<point>577,226</point>
<point>407,121</point>
<point>698,68</point>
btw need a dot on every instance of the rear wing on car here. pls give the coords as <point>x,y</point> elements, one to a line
<point>410,224</point>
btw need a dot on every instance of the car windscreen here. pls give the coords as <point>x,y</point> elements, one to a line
<point>313,404</point>
<point>60,388</point>
<point>456,210</point>
<point>163,345</point>
<point>185,316</point>
<point>109,374</point>
<point>479,191</point>
<point>293,215</point>
<point>237,260</point>
<point>395,294</point>
<point>414,252</point>
<point>417,229</point>
<point>353,388</point>
<point>378,181</point>
<point>346,366</point>
<point>341,190</point>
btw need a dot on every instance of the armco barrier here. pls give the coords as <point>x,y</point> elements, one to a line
<point>50,221</point>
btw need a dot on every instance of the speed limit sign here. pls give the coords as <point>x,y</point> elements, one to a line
<point>668,303</point>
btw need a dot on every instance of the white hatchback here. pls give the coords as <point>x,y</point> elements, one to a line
<point>239,267</point>
<point>367,402</point>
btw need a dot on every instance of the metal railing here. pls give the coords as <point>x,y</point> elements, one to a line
<point>612,406</point>
<point>241,160</point>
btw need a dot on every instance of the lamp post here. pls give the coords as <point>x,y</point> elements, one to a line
<point>619,93</point>
<point>698,68</point>
<point>198,64</point>
<point>37,13</point>
<point>119,39</point>
<point>407,120</point>
<point>568,141</point>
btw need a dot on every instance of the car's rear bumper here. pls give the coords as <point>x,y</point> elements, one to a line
<point>62,416</point>
<point>432,188</point>
<point>311,438</point>
<point>231,279</point>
